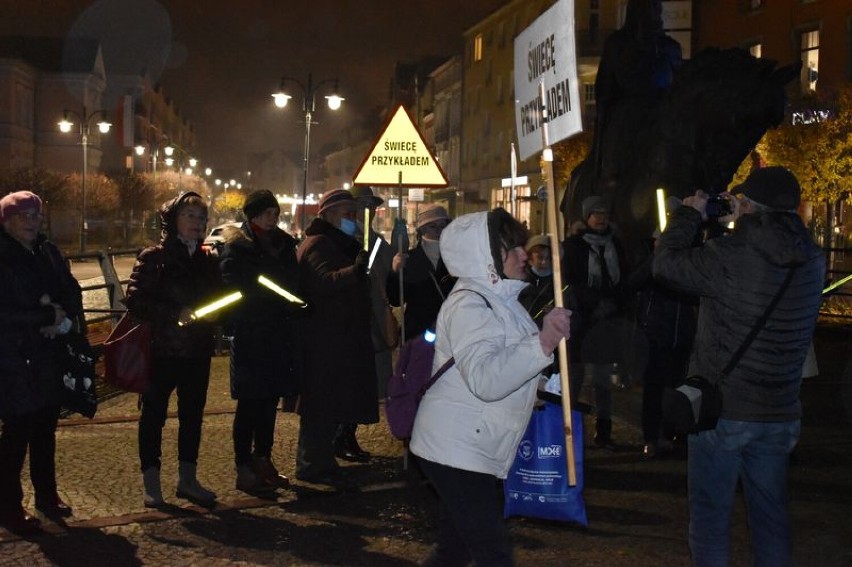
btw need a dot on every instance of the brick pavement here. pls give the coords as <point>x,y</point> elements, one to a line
<point>637,510</point>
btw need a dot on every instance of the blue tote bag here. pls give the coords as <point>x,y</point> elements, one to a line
<point>537,484</point>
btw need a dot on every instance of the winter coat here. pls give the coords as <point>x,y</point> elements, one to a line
<point>737,276</point>
<point>474,416</point>
<point>264,325</point>
<point>378,294</point>
<point>165,279</point>
<point>339,375</point>
<point>424,287</point>
<point>593,304</point>
<point>29,376</point>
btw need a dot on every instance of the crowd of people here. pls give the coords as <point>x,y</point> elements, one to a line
<point>484,286</point>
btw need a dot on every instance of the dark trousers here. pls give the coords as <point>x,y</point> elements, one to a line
<point>666,367</point>
<point>254,425</point>
<point>315,453</point>
<point>471,523</point>
<point>35,431</point>
<point>189,376</point>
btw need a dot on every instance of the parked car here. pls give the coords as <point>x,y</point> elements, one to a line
<point>214,240</point>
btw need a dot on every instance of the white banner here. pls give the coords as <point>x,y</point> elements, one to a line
<point>545,51</point>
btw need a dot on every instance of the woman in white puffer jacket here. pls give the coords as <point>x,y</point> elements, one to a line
<point>471,420</point>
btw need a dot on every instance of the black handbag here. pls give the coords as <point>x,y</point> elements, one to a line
<point>696,404</point>
<point>75,362</point>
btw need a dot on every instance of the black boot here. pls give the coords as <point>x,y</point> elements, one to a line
<point>346,445</point>
<point>354,447</point>
<point>603,432</point>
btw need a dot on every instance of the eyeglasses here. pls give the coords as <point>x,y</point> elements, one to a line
<point>194,216</point>
<point>30,216</point>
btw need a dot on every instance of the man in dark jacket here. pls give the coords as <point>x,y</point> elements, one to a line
<point>339,374</point>
<point>264,349</point>
<point>737,277</point>
<point>38,299</point>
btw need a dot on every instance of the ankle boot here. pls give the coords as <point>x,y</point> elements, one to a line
<point>352,444</point>
<point>249,482</point>
<point>188,486</point>
<point>265,469</point>
<point>17,521</point>
<point>153,495</point>
<point>603,432</point>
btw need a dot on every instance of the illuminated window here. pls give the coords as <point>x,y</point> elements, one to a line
<point>810,60</point>
<point>755,50</point>
<point>477,47</point>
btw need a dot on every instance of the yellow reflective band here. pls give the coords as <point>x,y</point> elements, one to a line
<point>266,282</point>
<point>216,305</point>
<point>366,229</point>
<point>661,208</point>
<point>837,284</point>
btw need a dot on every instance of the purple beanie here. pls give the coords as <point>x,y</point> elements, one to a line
<point>17,202</point>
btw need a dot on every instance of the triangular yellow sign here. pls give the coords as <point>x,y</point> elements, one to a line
<point>400,156</point>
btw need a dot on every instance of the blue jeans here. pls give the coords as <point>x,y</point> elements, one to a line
<point>758,455</point>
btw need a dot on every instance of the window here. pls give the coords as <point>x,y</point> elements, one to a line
<point>809,47</point>
<point>477,47</point>
<point>755,50</point>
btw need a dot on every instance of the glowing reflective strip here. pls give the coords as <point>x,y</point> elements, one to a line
<point>264,281</point>
<point>216,305</point>
<point>373,254</point>
<point>837,284</point>
<point>661,208</point>
<point>366,229</point>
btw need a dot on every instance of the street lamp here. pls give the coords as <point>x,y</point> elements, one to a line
<point>65,126</point>
<point>186,165</point>
<point>309,92</point>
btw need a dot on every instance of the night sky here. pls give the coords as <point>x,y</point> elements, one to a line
<point>220,60</point>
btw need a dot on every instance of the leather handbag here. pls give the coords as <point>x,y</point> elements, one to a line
<point>127,355</point>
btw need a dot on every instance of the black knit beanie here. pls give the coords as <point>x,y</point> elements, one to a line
<point>258,201</point>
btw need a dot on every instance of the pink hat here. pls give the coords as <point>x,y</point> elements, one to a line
<point>17,202</point>
<point>334,198</point>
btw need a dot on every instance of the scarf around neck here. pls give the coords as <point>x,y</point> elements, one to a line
<point>604,272</point>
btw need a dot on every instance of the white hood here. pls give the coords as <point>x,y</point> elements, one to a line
<point>466,250</point>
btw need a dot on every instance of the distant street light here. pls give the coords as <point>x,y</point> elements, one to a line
<point>65,126</point>
<point>309,92</point>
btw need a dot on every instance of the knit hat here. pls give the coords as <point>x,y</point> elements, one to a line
<point>595,204</point>
<point>334,198</point>
<point>773,187</point>
<point>430,213</point>
<point>17,202</point>
<point>365,193</point>
<point>258,201</point>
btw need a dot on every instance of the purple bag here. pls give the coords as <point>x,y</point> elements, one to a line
<point>409,381</point>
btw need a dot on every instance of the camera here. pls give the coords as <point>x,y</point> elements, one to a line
<point>718,206</point>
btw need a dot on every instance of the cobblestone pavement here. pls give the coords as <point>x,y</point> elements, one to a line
<point>637,510</point>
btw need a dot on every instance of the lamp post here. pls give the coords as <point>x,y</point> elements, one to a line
<point>181,164</point>
<point>309,92</point>
<point>65,126</point>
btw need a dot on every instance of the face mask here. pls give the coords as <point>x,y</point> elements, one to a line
<point>348,226</point>
<point>543,273</point>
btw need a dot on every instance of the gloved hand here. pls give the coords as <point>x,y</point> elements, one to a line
<point>362,261</point>
<point>556,324</point>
